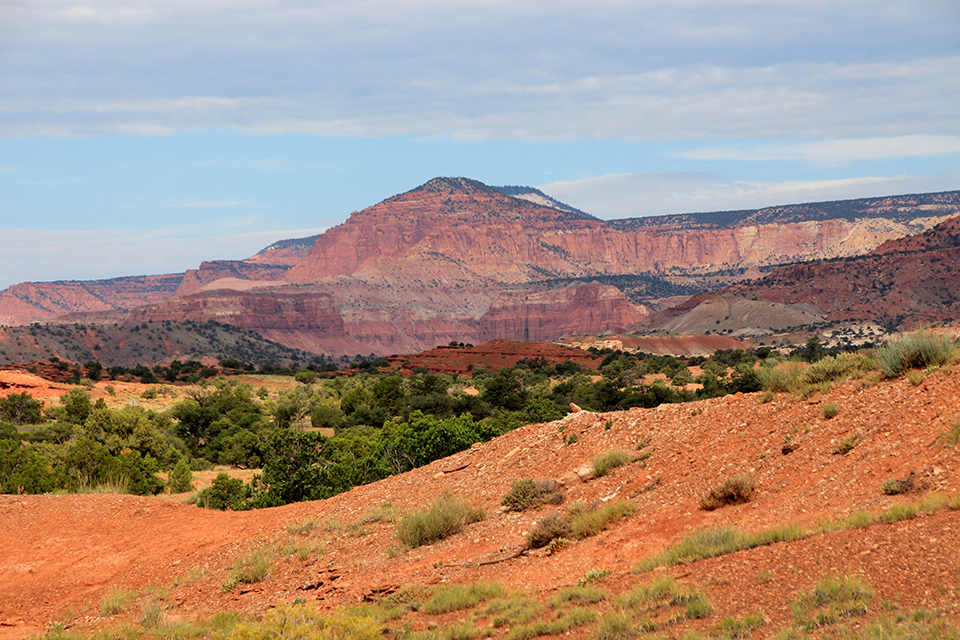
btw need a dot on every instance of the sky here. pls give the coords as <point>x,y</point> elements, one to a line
<point>145,136</point>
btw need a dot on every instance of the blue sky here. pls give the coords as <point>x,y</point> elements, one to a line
<point>140,136</point>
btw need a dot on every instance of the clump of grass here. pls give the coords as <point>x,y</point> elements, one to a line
<point>305,550</point>
<point>920,349</point>
<point>456,597</point>
<point>594,575</point>
<point>579,521</point>
<point>296,621</point>
<point>648,608</point>
<point>734,490</point>
<point>251,568</point>
<point>303,528</point>
<point>899,512</point>
<point>115,602</point>
<point>915,378</point>
<point>730,628</point>
<point>512,611</point>
<point>151,613</point>
<point>709,543</point>
<point>846,445</point>
<point>446,516</point>
<point>951,436</point>
<point>830,410</point>
<point>894,487</point>
<point>563,623</point>
<point>831,600</point>
<point>786,376</point>
<point>592,522</point>
<point>839,367</point>
<point>528,494</point>
<point>605,462</point>
<point>581,594</point>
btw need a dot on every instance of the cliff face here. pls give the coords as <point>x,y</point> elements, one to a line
<point>538,315</point>
<point>901,283</point>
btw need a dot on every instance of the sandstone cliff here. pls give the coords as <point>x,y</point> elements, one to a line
<point>900,284</point>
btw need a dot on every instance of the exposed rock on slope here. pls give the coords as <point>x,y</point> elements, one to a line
<point>903,282</point>
<point>536,314</point>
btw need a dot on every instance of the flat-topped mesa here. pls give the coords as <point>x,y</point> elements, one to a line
<point>478,231</point>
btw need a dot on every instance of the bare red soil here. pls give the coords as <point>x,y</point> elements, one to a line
<point>493,355</point>
<point>62,553</point>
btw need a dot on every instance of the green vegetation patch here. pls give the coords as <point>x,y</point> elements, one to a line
<point>446,516</point>
<point>920,349</point>
<point>832,600</point>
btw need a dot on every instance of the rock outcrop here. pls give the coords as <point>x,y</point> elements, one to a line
<point>901,283</point>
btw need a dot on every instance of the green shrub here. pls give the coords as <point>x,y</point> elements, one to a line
<point>21,408</point>
<point>523,495</point>
<point>604,462</point>
<point>734,490</point>
<point>446,516</point>
<point>838,367</point>
<point>846,445</point>
<point>786,376</point>
<point>830,411</point>
<point>554,526</point>
<point>920,349</point>
<point>224,493</point>
<point>181,478</point>
<point>893,487</point>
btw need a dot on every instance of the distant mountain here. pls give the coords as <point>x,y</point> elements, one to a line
<point>457,260</point>
<point>901,283</point>
<point>128,344</point>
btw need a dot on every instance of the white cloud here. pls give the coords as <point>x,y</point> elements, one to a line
<point>621,69</point>
<point>646,194</point>
<point>829,151</point>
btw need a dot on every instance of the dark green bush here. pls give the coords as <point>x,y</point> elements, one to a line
<point>224,493</point>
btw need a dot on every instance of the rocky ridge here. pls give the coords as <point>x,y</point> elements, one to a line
<point>902,283</point>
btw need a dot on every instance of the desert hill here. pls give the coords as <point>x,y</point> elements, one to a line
<point>128,344</point>
<point>63,554</point>
<point>457,260</point>
<point>904,282</point>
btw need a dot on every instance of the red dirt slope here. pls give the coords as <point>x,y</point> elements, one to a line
<point>61,554</point>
